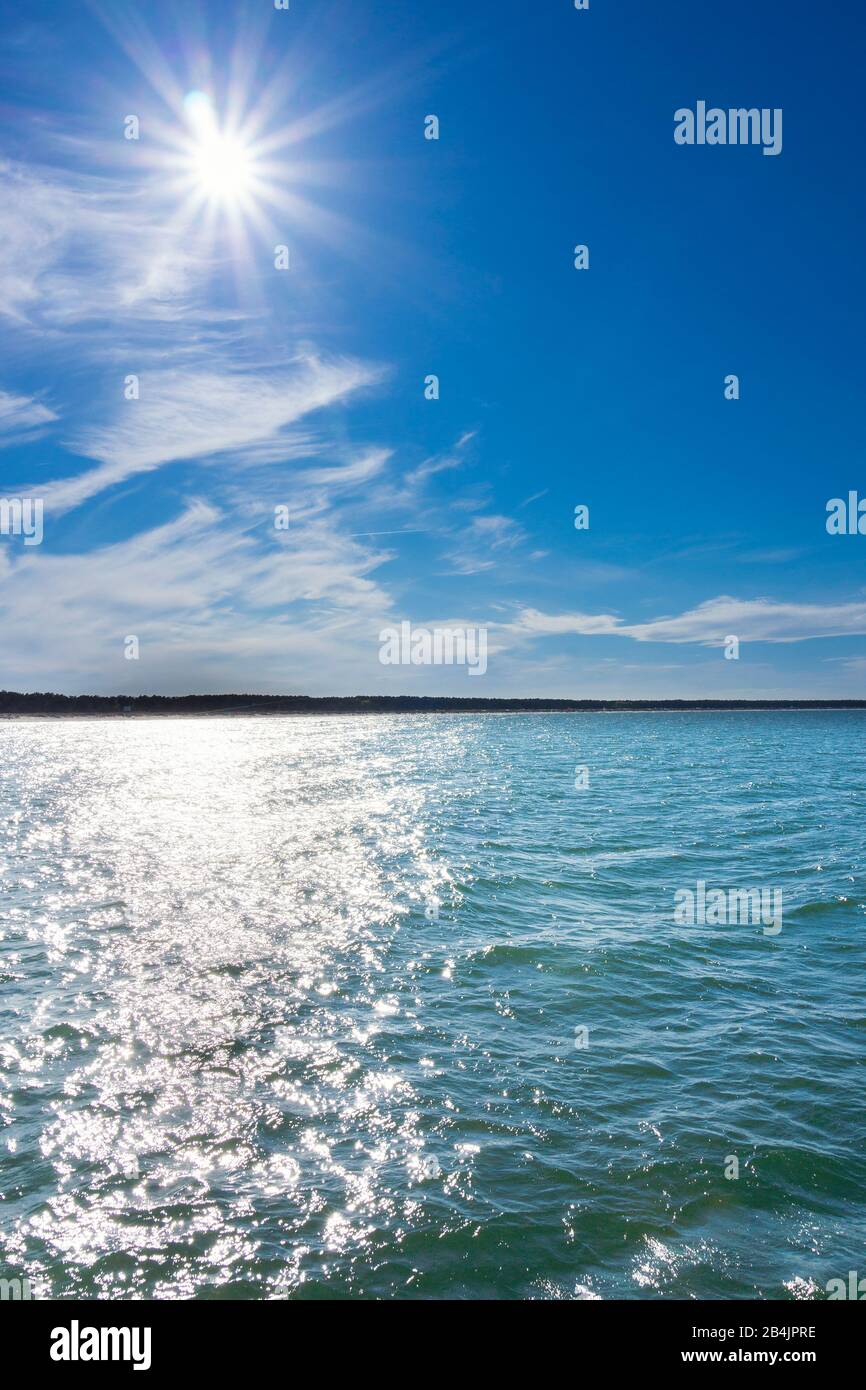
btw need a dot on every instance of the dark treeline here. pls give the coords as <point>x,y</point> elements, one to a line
<point>13,702</point>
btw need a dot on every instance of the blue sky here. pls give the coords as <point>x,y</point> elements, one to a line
<point>304,388</point>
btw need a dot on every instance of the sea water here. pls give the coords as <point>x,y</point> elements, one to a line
<point>383,1007</point>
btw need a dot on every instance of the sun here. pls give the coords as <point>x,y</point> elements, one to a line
<point>222,168</point>
<point>221,165</point>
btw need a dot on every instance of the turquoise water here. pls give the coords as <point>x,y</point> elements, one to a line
<point>290,1007</point>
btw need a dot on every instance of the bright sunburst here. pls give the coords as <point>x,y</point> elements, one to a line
<point>223,157</point>
<point>222,165</point>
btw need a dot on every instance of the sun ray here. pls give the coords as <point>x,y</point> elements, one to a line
<point>224,165</point>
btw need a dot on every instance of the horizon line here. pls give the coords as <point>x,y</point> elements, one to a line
<point>50,702</point>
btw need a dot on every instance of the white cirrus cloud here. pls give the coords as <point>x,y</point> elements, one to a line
<point>79,249</point>
<point>198,413</point>
<point>531,622</point>
<point>22,417</point>
<point>482,542</point>
<point>214,604</point>
<point>710,623</point>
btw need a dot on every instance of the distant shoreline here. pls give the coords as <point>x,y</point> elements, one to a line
<point>15,705</point>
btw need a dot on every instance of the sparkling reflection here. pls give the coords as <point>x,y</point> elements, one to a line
<point>287,1009</point>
